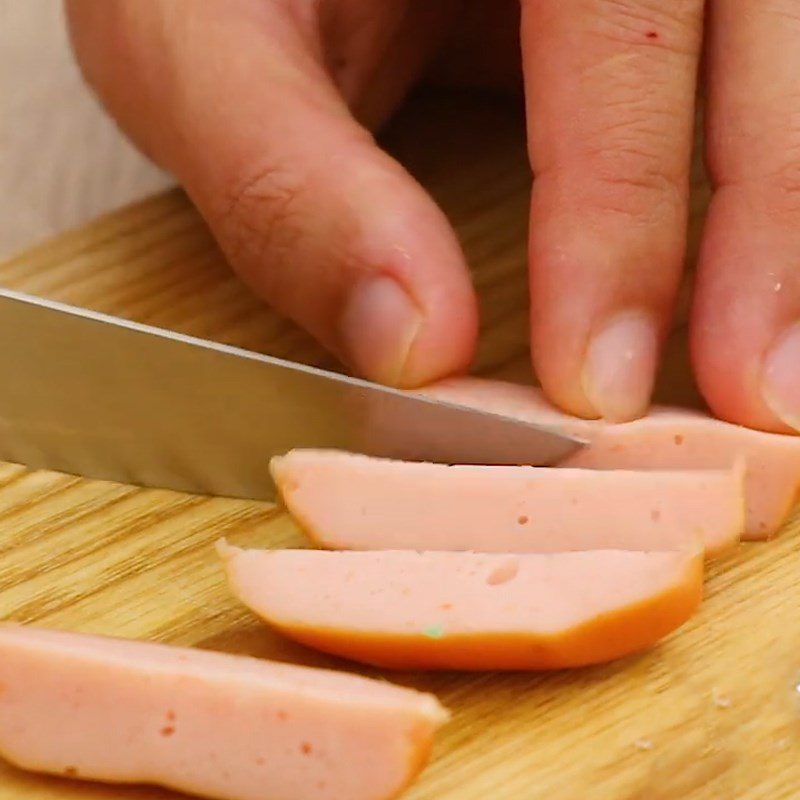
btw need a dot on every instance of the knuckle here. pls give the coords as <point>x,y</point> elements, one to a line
<point>636,199</point>
<point>260,220</point>
<point>782,184</point>
<point>785,178</point>
<point>632,175</point>
<point>762,161</point>
<point>785,11</point>
<point>756,152</point>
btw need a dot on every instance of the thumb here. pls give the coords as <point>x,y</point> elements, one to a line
<point>316,218</point>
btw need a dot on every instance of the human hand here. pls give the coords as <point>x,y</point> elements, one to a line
<point>262,108</point>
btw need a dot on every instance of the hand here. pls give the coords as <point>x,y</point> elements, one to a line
<point>262,109</point>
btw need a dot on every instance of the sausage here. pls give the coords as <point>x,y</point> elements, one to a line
<point>470,611</point>
<point>668,438</point>
<point>212,724</point>
<point>349,501</point>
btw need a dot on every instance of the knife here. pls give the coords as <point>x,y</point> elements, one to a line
<point>101,397</point>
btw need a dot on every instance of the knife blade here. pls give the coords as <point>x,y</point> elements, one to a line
<point>101,397</point>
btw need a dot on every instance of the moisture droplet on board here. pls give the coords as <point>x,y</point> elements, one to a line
<point>719,699</point>
<point>782,744</point>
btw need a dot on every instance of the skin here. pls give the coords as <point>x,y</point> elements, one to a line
<point>265,110</point>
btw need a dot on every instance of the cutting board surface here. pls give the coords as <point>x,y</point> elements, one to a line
<point>714,712</point>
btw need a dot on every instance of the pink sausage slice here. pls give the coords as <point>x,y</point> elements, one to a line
<point>211,724</point>
<point>348,501</point>
<point>438,610</point>
<point>666,439</point>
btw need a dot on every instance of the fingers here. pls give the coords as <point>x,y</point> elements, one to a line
<point>233,98</point>
<point>746,318</point>
<point>375,51</point>
<point>610,90</point>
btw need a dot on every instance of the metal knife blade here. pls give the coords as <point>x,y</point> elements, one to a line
<point>97,396</point>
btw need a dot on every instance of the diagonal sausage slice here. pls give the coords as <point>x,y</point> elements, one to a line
<point>347,501</point>
<point>667,438</point>
<point>212,724</point>
<point>470,611</point>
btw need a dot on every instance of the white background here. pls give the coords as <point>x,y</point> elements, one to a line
<point>62,161</point>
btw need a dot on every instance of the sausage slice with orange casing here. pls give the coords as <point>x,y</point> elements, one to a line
<point>354,502</point>
<point>211,724</point>
<point>469,611</point>
<point>667,438</point>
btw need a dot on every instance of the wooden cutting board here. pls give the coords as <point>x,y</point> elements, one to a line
<point>714,712</point>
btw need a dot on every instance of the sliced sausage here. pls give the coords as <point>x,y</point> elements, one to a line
<point>348,501</point>
<point>667,438</point>
<point>469,611</point>
<point>212,724</point>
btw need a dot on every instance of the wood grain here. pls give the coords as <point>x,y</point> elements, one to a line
<point>711,714</point>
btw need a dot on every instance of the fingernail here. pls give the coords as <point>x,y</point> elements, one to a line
<point>780,380</point>
<point>377,328</point>
<point>620,366</point>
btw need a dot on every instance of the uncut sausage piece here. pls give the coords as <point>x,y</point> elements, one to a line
<point>667,438</point>
<point>212,724</point>
<point>469,611</point>
<point>349,501</point>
